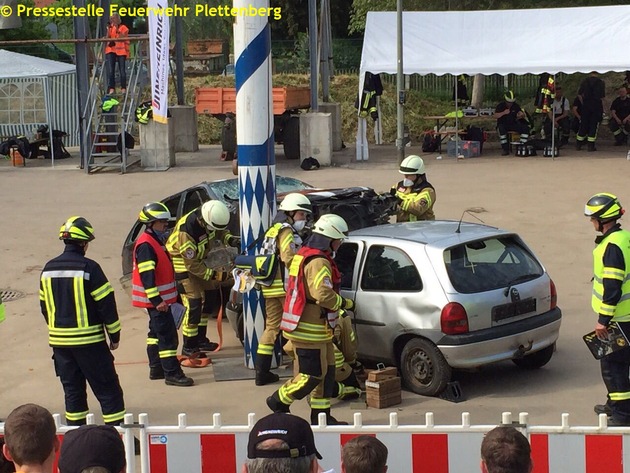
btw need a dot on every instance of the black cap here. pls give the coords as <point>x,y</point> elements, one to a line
<point>295,431</point>
<point>92,445</point>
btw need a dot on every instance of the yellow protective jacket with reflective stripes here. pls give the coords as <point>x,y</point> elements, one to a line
<point>609,276</point>
<point>189,244</point>
<point>418,202</point>
<point>77,301</point>
<point>345,342</point>
<point>286,245</point>
<point>320,296</point>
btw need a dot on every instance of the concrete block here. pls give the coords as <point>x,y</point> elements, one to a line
<point>184,121</point>
<point>335,110</point>
<point>157,141</point>
<point>316,137</point>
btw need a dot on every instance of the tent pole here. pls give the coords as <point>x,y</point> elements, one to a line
<point>47,100</point>
<point>456,120</point>
<point>400,107</point>
<point>553,121</point>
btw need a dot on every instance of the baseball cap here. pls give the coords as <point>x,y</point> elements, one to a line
<point>295,431</point>
<point>92,445</point>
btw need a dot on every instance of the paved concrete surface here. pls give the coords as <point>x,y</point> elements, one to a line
<point>540,198</point>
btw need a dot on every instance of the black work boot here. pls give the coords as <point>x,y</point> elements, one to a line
<point>578,145</point>
<point>276,405</point>
<point>156,372</point>
<point>180,379</point>
<point>330,420</point>
<point>591,147</point>
<point>193,352</point>
<point>506,149</point>
<point>207,345</point>
<point>263,375</point>
<point>602,409</point>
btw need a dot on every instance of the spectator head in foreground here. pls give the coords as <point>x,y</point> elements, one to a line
<point>30,438</point>
<point>93,449</point>
<point>364,454</point>
<point>281,442</point>
<point>505,450</point>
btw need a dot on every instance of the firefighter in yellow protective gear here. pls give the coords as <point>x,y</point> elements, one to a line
<point>347,385</point>
<point>611,299</point>
<point>346,365</point>
<point>189,245</point>
<point>311,310</point>
<point>416,194</point>
<point>284,240</point>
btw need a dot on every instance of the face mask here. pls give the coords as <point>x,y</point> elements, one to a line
<point>299,225</point>
<point>407,182</point>
<point>161,235</point>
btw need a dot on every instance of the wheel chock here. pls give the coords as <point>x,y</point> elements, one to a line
<point>453,392</point>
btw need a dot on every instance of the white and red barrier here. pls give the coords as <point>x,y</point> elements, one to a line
<point>427,448</point>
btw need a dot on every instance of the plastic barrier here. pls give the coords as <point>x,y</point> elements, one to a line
<point>427,448</point>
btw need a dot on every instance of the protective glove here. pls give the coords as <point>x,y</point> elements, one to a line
<point>235,241</point>
<point>220,275</point>
<point>347,304</point>
<point>111,44</point>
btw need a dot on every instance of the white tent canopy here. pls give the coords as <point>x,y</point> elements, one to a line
<point>20,65</point>
<point>500,41</point>
<point>35,92</point>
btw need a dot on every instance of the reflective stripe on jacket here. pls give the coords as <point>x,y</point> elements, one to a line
<point>164,276</point>
<point>621,311</point>
<point>422,198</point>
<point>280,239</point>
<point>311,293</point>
<point>77,301</point>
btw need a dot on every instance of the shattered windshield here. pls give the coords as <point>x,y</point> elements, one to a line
<point>228,188</point>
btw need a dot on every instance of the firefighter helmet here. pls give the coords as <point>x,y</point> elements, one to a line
<point>331,226</point>
<point>412,165</point>
<point>294,201</point>
<point>509,96</point>
<point>76,229</point>
<point>603,207</point>
<point>154,211</point>
<point>216,215</point>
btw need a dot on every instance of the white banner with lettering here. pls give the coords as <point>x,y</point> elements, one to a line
<point>159,57</point>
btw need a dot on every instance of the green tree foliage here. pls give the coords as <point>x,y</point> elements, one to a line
<point>361,7</point>
<point>32,28</point>
<point>295,18</point>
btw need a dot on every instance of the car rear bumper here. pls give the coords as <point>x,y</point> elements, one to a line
<point>501,343</point>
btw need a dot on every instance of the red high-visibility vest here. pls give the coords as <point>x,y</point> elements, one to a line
<point>164,275</point>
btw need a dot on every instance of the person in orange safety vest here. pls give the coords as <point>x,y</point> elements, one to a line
<point>116,52</point>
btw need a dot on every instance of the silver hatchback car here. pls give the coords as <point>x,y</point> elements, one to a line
<point>436,295</point>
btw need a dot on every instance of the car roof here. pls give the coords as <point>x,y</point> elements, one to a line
<point>439,233</point>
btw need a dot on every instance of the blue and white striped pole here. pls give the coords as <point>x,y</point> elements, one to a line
<point>256,159</point>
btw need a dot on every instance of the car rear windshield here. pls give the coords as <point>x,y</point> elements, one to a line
<point>490,264</point>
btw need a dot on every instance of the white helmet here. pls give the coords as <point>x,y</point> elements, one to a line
<point>216,214</point>
<point>412,165</point>
<point>294,201</point>
<point>331,226</point>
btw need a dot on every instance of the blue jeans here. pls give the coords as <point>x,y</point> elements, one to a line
<point>112,60</point>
